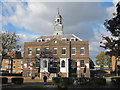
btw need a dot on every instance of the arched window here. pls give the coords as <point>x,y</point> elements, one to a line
<point>44,63</point>
<point>63,63</point>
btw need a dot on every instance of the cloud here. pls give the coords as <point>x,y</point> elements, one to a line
<point>83,19</point>
<point>25,38</point>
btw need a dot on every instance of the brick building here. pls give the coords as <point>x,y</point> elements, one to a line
<point>57,55</point>
<point>16,64</point>
<point>13,62</point>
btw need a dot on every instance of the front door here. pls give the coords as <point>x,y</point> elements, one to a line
<point>73,69</point>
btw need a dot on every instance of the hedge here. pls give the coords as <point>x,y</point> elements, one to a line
<point>61,82</point>
<point>4,80</point>
<point>115,80</point>
<point>99,81</point>
<point>17,80</point>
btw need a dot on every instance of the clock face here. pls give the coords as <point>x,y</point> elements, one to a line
<point>58,28</point>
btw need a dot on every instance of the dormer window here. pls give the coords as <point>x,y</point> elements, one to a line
<point>39,40</point>
<point>64,39</point>
<point>72,39</point>
<point>47,39</point>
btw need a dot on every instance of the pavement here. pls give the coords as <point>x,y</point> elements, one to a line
<point>35,85</point>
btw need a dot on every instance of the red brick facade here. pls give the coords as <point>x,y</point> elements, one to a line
<point>55,43</point>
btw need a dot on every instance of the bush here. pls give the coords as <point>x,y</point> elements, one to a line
<point>4,80</point>
<point>100,81</point>
<point>115,80</point>
<point>61,82</point>
<point>32,77</point>
<point>11,74</point>
<point>81,81</point>
<point>17,80</point>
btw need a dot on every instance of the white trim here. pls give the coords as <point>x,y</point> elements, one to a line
<point>47,39</point>
<point>39,40</point>
<point>6,61</point>
<point>75,51</point>
<point>30,51</point>
<point>65,51</point>
<point>73,39</point>
<point>64,39</point>
<point>84,50</point>
<point>18,61</point>
<point>38,50</point>
<point>80,64</point>
<point>77,37</point>
<point>14,65</point>
<point>55,49</point>
<point>64,69</point>
<point>19,66</point>
<point>14,61</point>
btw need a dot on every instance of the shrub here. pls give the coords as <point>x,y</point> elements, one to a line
<point>81,81</point>
<point>61,82</point>
<point>17,80</point>
<point>4,80</point>
<point>32,77</point>
<point>115,80</point>
<point>100,81</point>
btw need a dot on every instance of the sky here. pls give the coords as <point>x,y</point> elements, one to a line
<point>32,19</point>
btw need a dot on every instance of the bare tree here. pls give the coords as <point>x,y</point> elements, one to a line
<point>8,42</point>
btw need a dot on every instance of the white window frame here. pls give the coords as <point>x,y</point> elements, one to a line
<point>45,65</point>
<point>14,71</point>
<point>30,52</point>
<point>19,71</point>
<point>47,50</point>
<point>37,53</point>
<point>75,51</point>
<point>65,51</point>
<point>55,49</point>
<point>14,66</point>
<point>22,62</point>
<point>39,40</point>
<point>62,63</point>
<point>72,38</point>
<point>84,50</point>
<point>6,61</point>
<point>6,66</point>
<point>14,61</point>
<point>63,39</point>
<point>47,39</point>
<point>9,66</point>
<point>18,61</point>
<point>80,64</point>
<point>19,66</point>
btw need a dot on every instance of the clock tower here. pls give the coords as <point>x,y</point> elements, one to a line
<point>58,27</point>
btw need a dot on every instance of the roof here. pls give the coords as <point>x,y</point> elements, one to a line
<point>59,37</point>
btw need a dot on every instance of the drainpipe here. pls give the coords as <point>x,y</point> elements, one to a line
<point>69,64</point>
